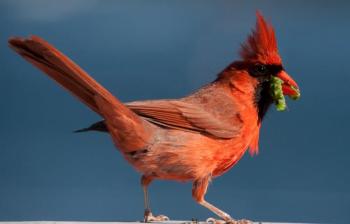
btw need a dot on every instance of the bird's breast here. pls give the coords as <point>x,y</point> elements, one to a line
<point>232,150</point>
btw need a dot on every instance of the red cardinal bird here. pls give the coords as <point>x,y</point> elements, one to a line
<point>194,138</point>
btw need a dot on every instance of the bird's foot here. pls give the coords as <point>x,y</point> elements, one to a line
<point>229,221</point>
<point>149,217</point>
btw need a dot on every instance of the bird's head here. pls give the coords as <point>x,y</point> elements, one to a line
<point>262,63</point>
<point>260,54</point>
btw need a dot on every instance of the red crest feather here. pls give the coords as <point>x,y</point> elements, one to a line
<point>261,44</point>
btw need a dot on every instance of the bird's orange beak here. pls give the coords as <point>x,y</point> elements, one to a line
<point>289,87</point>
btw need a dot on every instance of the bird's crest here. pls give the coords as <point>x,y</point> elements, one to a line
<point>261,44</point>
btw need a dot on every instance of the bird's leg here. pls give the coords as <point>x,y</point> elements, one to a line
<point>148,216</point>
<point>199,189</point>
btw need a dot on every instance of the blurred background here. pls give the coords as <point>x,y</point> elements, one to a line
<point>167,49</point>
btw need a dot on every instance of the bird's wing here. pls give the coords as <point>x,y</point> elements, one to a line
<point>177,114</point>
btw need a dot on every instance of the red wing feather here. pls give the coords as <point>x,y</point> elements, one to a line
<point>182,115</point>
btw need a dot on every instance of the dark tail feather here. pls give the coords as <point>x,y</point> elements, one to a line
<point>98,126</point>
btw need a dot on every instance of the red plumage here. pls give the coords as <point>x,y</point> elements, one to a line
<point>261,44</point>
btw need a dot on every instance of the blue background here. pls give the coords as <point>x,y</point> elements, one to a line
<point>166,49</point>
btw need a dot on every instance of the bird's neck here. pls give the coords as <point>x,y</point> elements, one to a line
<point>252,91</point>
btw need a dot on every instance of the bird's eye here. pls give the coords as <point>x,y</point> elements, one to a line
<point>260,69</point>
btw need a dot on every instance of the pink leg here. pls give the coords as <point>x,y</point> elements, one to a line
<point>199,189</point>
<point>148,216</point>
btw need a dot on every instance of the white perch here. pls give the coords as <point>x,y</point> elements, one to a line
<point>165,222</point>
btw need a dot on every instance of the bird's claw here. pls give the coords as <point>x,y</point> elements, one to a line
<point>230,221</point>
<point>214,221</point>
<point>151,218</point>
<point>240,221</point>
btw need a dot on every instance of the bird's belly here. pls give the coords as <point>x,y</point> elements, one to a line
<point>182,156</point>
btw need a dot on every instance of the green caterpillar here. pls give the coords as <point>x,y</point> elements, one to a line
<point>277,93</point>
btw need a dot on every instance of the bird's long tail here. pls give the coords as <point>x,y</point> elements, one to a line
<point>119,119</point>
